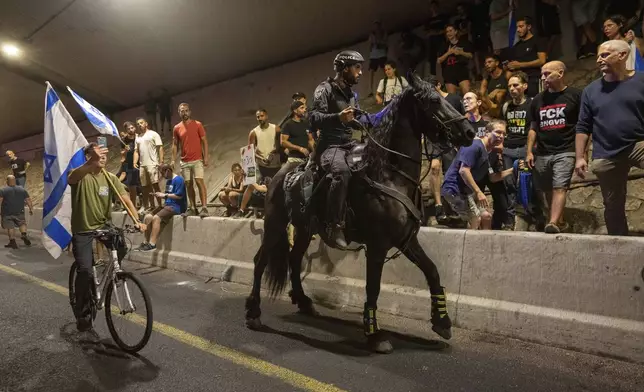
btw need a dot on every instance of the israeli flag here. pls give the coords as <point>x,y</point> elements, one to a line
<point>513,37</point>
<point>100,121</point>
<point>64,145</point>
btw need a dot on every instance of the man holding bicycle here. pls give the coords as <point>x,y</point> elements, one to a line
<point>92,194</point>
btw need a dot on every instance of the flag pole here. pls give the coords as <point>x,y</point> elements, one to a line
<point>134,217</point>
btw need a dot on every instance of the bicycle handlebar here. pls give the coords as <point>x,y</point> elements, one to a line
<point>113,231</point>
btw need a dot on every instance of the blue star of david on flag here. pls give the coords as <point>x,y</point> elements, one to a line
<point>49,162</point>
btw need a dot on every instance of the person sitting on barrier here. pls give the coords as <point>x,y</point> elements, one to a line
<point>176,202</point>
<point>254,195</point>
<point>230,194</point>
<point>470,167</point>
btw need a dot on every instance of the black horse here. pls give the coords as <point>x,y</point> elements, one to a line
<point>383,208</point>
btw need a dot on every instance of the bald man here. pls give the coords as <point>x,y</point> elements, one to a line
<point>551,140</point>
<point>611,111</point>
<point>19,167</point>
<point>13,199</point>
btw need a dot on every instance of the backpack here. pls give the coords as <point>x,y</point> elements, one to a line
<point>384,85</point>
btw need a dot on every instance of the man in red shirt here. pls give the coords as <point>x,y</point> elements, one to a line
<point>190,136</point>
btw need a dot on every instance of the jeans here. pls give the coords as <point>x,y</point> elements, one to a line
<point>84,255</point>
<point>21,181</point>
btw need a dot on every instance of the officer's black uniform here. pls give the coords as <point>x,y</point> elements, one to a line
<point>328,101</point>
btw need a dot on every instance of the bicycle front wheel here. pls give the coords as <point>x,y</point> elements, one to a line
<point>127,302</point>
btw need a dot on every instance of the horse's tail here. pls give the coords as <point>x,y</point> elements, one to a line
<point>275,249</point>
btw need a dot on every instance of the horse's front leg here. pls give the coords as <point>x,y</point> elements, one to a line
<point>300,245</point>
<point>376,339</point>
<point>441,323</point>
<point>253,310</point>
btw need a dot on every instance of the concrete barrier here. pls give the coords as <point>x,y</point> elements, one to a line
<point>581,292</point>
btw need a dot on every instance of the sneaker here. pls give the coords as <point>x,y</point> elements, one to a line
<point>564,227</point>
<point>25,239</point>
<point>148,247</point>
<point>189,212</point>
<point>142,246</point>
<point>440,213</point>
<point>552,228</point>
<point>12,244</point>
<point>239,214</point>
<point>204,213</point>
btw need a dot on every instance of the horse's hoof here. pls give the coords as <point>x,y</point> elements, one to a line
<point>381,346</point>
<point>254,323</point>
<point>308,311</point>
<point>445,333</point>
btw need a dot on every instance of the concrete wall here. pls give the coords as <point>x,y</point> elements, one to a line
<point>575,291</point>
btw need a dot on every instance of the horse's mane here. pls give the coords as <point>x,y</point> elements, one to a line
<point>384,124</point>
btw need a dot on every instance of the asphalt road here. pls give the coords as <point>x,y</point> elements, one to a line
<point>200,343</point>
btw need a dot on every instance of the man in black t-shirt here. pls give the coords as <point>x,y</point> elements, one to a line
<point>132,176</point>
<point>527,55</point>
<point>517,114</point>
<point>494,87</point>
<point>554,114</point>
<point>19,167</point>
<point>296,137</point>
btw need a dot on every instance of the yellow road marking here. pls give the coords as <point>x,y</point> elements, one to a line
<point>260,366</point>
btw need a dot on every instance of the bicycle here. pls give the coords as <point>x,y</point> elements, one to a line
<point>112,279</point>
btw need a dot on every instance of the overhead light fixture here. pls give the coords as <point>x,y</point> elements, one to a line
<point>11,50</point>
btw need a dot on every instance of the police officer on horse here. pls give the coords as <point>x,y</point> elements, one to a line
<point>332,112</point>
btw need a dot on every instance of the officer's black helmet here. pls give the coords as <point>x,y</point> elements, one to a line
<point>346,58</point>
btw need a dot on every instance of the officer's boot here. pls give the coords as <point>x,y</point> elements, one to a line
<point>335,213</point>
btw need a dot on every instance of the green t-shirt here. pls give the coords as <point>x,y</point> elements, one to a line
<point>92,200</point>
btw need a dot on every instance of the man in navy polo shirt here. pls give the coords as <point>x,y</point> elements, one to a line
<point>612,111</point>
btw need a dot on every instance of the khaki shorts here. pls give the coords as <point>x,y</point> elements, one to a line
<point>166,214</point>
<point>464,205</point>
<point>13,221</point>
<point>190,170</point>
<point>149,175</point>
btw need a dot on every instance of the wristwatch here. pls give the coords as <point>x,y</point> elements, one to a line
<point>166,196</point>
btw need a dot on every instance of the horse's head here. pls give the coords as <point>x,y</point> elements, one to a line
<point>447,125</point>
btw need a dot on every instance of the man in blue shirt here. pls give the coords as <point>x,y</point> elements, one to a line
<point>612,110</point>
<point>470,168</point>
<point>175,203</point>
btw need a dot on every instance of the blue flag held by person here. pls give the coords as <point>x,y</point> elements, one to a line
<point>98,120</point>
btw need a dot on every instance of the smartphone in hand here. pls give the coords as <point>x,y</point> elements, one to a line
<point>101,141</point>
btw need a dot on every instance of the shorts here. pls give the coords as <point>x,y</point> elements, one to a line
<point>500,39</point>
<point>132,177</point>
<point>456,74</point>
<point>149,175</point>
<point>190,170</point>
<point>13,221</point>
<point>263,171</point>
<point>464,206</point>
<point>584,11</point>
<point>374,64</point>
<point>554,171</point>
<point>166,214</point>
